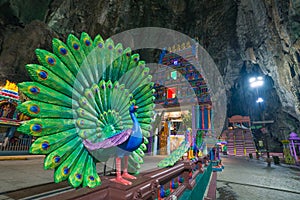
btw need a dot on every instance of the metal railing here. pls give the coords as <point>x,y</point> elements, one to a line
<point>15,144</point>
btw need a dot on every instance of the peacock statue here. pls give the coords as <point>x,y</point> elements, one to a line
<point>89,100</point>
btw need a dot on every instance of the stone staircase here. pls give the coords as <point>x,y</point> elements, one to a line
<point>249,144</point>
<point>230,144</point>
<point>239,142</point>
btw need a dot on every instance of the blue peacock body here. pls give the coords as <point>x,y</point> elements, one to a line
<point>83,107</point>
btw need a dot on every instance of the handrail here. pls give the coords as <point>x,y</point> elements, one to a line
<point>184,175</point>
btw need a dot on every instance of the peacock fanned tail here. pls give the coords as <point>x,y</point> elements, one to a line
<point>83,90</point>
<point>174,156</point>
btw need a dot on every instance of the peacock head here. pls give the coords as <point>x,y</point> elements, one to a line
<point>133,108</point>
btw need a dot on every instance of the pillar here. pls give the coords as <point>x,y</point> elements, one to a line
<point>155,142</point>
<point>208,117</point>
<point>202,116</point>
<point>169,138</point>
<point>294,151</point>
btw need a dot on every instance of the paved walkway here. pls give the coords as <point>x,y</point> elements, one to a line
<point>21,157</point>
<point>251,179</point>
<point>241,179</point>
<point>26,171</point>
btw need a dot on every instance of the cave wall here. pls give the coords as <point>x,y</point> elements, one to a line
<point>268,33</point>
<point>244,37</point>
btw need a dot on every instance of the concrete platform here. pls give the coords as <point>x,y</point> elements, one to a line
<point>18,172</point>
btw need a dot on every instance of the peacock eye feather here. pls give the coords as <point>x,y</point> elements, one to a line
<point>43,75</point>
<point>76,46</point>
<point>120,51</point>
<point>128,54</point>
<point>85,133</point>
<point>50,60</point>
<point>34,90</point>
<point>87,42</point>
<point>100,45</point>
<point>90,95</point>
<point>91,178</point>
<point>63,51</point>
<point>36,127</point>
<point>78,176</point>
<point>110,47</point>
<point>45,145</point>
<point>34,109</point>
<point>66,170</point>
<point>83,101</point>
<point>56,159</point>
<point>81,122</point>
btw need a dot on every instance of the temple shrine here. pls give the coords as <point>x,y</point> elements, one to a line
<point>182,95</point>
<point>10,119</point>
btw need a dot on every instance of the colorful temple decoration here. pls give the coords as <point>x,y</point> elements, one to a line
<point>203,114</point>
<point>10,90</point>
<point>202,124</point>
<point>177,81</point>
<point>9,100</point>
<point>9,117</point>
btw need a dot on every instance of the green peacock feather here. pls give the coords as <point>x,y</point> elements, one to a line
<point>83,90</point>
<point>175,155</point>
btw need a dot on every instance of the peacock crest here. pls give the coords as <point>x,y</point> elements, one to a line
<point>82,91</point>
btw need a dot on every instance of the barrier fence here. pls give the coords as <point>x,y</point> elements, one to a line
<point>21,145</point>
<point>185,180</point>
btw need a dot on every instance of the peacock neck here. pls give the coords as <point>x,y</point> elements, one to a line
<point>136,124</point>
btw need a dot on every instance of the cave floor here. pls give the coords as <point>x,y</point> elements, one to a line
<point>245,178</point>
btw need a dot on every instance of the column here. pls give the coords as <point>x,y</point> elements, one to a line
<point>155,142</point>
<point>294,151</point>
<point>202,116</point>
<point>194,118</point>
<point>208,117</point>
<point>169,139</point>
